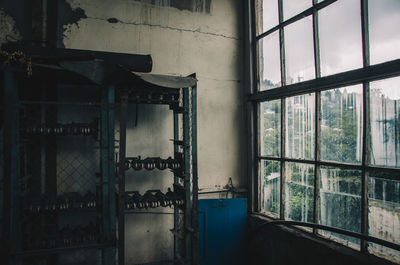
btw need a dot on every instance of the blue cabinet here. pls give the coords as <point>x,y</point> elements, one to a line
<point>222,228</point>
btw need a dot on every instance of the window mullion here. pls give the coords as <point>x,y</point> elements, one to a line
<point>317,63</point>
<point>283,111</point>
<point>366,129</point>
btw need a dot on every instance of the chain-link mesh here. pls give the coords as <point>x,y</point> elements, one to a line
<point>60,162</point>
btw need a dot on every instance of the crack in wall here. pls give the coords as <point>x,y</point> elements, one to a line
<point>114,20</point>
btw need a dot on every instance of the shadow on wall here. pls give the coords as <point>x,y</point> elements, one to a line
<point>201,6</point>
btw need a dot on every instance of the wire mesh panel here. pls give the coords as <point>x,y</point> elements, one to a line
<point>60,168</point>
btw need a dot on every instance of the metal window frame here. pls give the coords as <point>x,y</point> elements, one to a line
<point>363,76</point>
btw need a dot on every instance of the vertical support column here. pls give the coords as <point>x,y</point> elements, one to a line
<point>250,59</point>
<point>12,226</point>
<point>104,172</point>
<point>108,172</point>
<point>176,181</point>
<point>121,179</point>
<point>111,168</point>
<point>187,159</point>
<point>283,111</point>
<point>195,187</point>
<point>317,132</point>
<point>256,162</point>
<point>50,219</point>
<point>283,164</point>
<point>366,128</point>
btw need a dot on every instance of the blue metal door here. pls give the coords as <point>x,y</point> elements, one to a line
<point>222,227</point>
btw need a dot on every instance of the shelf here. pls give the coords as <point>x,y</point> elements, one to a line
<point>37,252</point>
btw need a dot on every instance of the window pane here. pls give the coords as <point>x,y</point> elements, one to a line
<point>384,34</point>
<point>293,7</point>
<point>299,51</point>
<point>340,202</point>
<point>271,182</point>
<point>299,190</point>
<point>270,126</point>
<point>384,214</point>
<point>267,15</point>
<point>340,37</point>
<point>385,122</point>
<point>300,126</point>
<point>341,124</point>
<point>269,61</point>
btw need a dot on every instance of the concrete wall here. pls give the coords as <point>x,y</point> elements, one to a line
<point>181,42</point>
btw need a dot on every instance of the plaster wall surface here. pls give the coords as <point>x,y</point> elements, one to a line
<point>181,42</point>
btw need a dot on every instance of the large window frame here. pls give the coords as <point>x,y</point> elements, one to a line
<point>362,76</point>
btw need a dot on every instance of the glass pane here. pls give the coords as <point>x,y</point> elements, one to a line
<point>340,37</point>
<point>300,126</point>
<point>270,126</point>
<point>299,190</point>
<point>340,202</point>
<point>384,34</point>
<point>385,122</point>
<point>341,124</point>
<point>384,214</point>
<point>267,15</point>
<point>271,182</point>
<point>299,51</point>
<point>293,7</point>
<point>269,62</point>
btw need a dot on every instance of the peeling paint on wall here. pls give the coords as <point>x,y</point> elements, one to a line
<point>68,16</point>
<point>8,29</point>
<point>201,6</point>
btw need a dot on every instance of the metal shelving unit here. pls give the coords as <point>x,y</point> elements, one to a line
<point>40,182</point>
<point>48,161</point>
<point>180,93</point>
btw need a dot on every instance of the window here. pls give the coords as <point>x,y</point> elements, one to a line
<point>328,96</point>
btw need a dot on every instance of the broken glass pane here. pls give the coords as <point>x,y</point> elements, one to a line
<point>270,128</point>
<point>341,124</point>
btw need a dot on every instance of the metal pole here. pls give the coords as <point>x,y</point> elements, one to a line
<point>111,169</point>
<point>176,181</point>
<point>121,173</point>
<point>108,173</point>
<point>187,159</point>
<point>366,128</point>
<point>11,185</point>
<point>195,215</point>
<point>104,174</point>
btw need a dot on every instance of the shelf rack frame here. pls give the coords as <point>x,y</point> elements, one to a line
<point>186,236</point>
